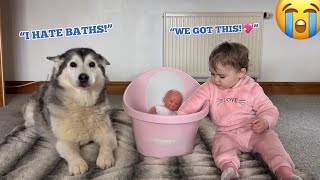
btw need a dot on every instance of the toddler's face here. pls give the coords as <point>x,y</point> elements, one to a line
<point>225,77</point>
<point>172,101</point>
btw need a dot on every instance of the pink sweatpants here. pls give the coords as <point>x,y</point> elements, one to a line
<point>227,145</point>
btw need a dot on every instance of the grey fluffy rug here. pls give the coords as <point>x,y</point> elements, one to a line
<point>25,155</point>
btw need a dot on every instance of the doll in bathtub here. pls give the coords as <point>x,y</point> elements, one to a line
<point>172,101</point>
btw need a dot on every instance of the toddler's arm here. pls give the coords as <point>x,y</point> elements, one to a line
<point>195,102</point>
<point>265,109</point>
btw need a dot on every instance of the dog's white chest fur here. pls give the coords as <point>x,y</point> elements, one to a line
<point>76,124</point>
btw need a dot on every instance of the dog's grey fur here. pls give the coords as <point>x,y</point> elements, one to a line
<point>73,108</point>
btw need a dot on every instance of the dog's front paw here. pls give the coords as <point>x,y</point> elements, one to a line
<point>105,161</point>
<point>78,166</point>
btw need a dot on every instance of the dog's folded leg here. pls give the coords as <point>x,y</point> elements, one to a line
<point>105,158</point>
<point>70,151</point>
<point>107,142</point>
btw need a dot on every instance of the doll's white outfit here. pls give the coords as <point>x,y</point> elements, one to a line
<point>162,110</point>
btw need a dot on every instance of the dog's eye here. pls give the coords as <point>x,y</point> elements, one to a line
<point>92,64</point>
<point>73,64</point>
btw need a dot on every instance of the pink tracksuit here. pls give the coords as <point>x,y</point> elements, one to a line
<point>232,111</point>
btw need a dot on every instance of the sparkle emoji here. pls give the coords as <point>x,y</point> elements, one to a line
<point>298,19</point>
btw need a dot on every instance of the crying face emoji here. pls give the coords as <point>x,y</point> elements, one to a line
<point>298,19</point>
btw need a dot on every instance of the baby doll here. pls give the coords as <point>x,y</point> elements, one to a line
<point>172,101</point>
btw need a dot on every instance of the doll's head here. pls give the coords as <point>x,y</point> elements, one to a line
<point>172,100</point>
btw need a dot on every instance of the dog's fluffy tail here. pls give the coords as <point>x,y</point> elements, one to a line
<point>28,113</point>
<point>119,116</point>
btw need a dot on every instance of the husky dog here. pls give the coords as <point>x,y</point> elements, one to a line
<point>74,109</point>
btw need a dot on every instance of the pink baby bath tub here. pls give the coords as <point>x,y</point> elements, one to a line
<point>157,135</point>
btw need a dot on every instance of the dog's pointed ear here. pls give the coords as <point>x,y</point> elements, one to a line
<point>108,63</point>
<point>104,59</point>
<point>54,58</point>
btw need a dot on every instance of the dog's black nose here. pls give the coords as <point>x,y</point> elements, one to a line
<point>83,77</point>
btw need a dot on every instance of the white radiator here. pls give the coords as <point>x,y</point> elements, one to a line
<point>189,39</point>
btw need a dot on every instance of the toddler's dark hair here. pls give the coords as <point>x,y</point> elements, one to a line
<point>230,53</point>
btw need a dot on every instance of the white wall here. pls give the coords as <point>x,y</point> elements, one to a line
<point>134,45</point>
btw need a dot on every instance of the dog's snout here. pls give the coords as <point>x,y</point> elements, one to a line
<point>83,77</point>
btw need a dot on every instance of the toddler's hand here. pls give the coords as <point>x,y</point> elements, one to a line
<point>259,125</point>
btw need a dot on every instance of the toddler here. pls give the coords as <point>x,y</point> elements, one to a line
<point>172,101</point>
<point>242,114</point>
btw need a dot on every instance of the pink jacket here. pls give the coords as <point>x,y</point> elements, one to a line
<point>232,108</point>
